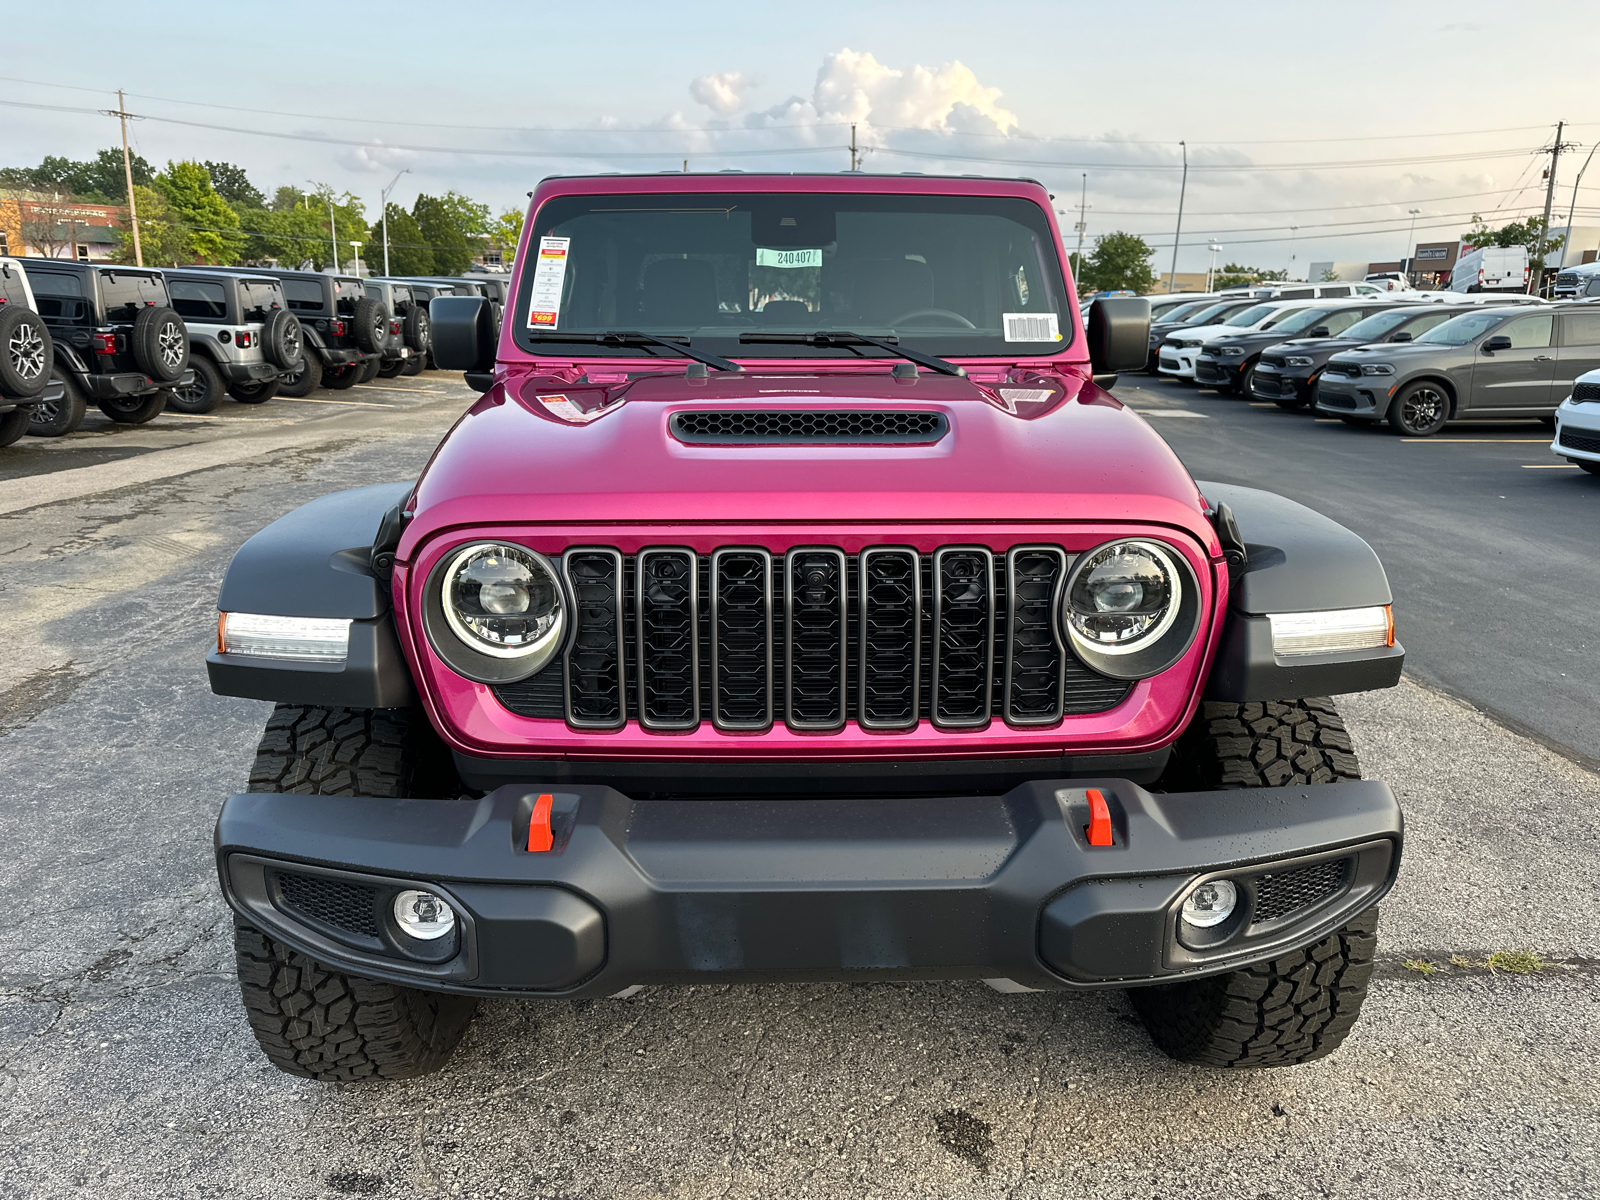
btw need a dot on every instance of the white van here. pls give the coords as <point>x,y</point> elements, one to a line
<point>1492,269</point>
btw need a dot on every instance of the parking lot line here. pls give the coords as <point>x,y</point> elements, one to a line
<point>1479,441</point>
<point>1549,466</point>
<point>1171,412</point>
<point>373,387</point>
<point>309,400</point>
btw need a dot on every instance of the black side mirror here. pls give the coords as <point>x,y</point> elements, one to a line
<point>1119,336</point>
<point>1402,336</point>
<point>1319,331</point>
<point>1499,342</point>
<point>464,337</point>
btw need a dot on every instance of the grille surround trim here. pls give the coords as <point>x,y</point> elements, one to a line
<point>1058,711</point>
<point>789,641</point>
<point>649,664</point>
<point>577,632</point>
<point>717,717</point>
<point>867,659</point>
<point>939,720</point>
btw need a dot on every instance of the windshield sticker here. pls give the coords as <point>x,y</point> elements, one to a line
<point>1031,327</point>
<point>788,258</point>
<point>549,273</point>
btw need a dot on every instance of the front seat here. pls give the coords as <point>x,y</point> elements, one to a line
<point>678,292</point>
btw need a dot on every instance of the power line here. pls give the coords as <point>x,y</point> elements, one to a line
<point>1249,168</point>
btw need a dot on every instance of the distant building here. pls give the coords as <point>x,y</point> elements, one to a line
<point>43,224</point>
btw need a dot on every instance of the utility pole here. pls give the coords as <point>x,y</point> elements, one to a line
<point>1549,198</point>
<point>1411,242</point>
<point>124,116</point>
<point>384,200</point>
<point>854,157</point>
<point>1573,208</point>
<point>1183,188</point>
<point>1294,232</point>
<point>1083,222</point>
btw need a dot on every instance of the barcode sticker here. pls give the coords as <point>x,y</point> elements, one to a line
<point>1031,327</point>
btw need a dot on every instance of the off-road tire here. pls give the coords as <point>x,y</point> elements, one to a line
<point>392,367</point>
<point>204,394</point>
<point>303,378</point>
<point>371,323</point>
<point>59,417</point>
<point>1299,1006</point>
<point>1421,409</point>
<point>337,379</point>
<point>283,342</point>
<point>134,410</point>
<point>313,1021</point>
<point>1295,1009</point>
<point>255,392</point>
<point>415,365</point>
<point>26,353</point>
<point>159,341</point>
<point>370,369</point>
<point>417,330</point>
<point>13,424</point>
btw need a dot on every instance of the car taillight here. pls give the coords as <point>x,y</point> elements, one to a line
<point>338,328</point>
<point>105,343</point>
<point>394,327</point>
<point>243,339</point>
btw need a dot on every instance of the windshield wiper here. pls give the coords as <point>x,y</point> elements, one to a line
<point>840,337</point>
<point>632,338</point>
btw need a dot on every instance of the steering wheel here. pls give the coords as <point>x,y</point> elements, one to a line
<point>954,317</point>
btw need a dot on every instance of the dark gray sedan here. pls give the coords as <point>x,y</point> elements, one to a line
<point>1487,364</point>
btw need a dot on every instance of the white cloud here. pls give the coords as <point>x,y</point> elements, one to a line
<point>723,94</point>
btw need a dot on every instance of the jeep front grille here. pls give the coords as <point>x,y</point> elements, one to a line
<point>745,638</point>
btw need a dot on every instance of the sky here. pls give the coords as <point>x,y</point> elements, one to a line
<point>1311,130</point>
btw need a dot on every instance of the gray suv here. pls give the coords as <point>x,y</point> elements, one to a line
<point>242,337</point>
<point>1489,363</point>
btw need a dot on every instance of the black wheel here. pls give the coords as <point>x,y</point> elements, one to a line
<point>302,378</point>
<point>282,340</point>
<point>1299,1006</point>
<point>370,369</point>
<point>418,328</point>
<point>255,393</point>
<point>160,343</point>
<point>58,418</point>
<point>1420,410</point>
<point>26,352</point>
<point>371,325</point>
<point>414,365</point>
<point>202,395</point>
<point>392,367</point>
<point>133,410</point>
<point>13,424</point>
<point>339,378</point>
<point>1592,467</point>
<point>310,1019</point>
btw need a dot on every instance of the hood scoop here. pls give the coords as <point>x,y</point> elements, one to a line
<point>811,426</point>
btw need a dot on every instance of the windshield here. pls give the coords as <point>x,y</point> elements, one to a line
<point>948,275</point>
<point>1378,325</point>
<point>1458,331</point>
<point>1212,312</point>
<point>1256,312</point>
<point>1306,318</point>
<point>1180,313</point>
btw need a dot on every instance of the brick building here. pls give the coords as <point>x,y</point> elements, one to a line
<point>42,224</point>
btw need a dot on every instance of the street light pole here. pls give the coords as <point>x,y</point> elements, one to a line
<point>1183,188</point>
<point>1411,243</point>
<point>1294,231</point>
<point>1573,208</point>
<point>385,202</point>
<point>1083,222</point>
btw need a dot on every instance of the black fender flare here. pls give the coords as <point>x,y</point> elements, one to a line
<point>68,357</point>
<point>322,560</point>
<point>1294,560</point>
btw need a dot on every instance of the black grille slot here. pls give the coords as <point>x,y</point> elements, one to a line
<point>1035,657</point>
<point>963,636</point>
<point>1289,891</point>
<point>351,907</point>
<point>815,599</point>
<point>667,605</point>
<point>891,638</point>
<point>1347,370</point>
<point>1273,360</point>
<point>1582,392</point>
<point>597,679</point>
<point>741,639</point>
<point>777,427</point>
<point>1575,439</point>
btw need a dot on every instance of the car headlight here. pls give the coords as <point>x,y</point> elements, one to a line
<point>1130,608</point>
<point>503,608</point>
<point>1296,361</point>
<point>1376,369</point>
<point>1232,351</point>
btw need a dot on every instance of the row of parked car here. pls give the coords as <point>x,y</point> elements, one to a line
<point>136,341</point>
<point>1416,360</point>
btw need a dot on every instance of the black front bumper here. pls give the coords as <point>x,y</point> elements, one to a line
<point>1214,371</point>
<point>1277,383</point>
<point>709,891</point>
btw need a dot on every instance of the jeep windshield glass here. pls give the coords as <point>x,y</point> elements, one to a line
<point>949,276</point>
<point>1458,331</point>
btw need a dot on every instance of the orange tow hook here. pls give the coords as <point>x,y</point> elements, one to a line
<point>1099,830</point>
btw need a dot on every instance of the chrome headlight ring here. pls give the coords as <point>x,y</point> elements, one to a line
<point>496,612</point>
<point>1153,637</point>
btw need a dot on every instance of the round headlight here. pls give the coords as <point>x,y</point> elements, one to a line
<point>505,601</point>
<point>1131,608</point>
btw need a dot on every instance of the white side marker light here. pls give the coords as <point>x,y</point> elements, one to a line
<point>1333,631</point>
<point>306,639</point>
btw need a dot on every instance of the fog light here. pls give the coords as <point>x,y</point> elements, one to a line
<point>1209,904</point>
<point>423,915</point>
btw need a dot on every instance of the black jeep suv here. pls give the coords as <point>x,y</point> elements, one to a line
<point>346,332</point>
<point>408,323</point>
<point>118,341</point>
<point>25,354</point>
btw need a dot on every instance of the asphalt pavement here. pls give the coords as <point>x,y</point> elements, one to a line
<point>127,1069</point>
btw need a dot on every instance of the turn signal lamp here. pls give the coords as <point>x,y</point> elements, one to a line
<point>1332,632</point>
<point>306,639</point>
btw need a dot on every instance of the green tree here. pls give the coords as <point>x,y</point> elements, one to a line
<point>506,232</point>
<point>409,252</point>
<point>437,221</point>
<point>212,227</point>
<point>1235,274</point>
<point>470,217</point>
<point>1329,275</point>
<point>234,186</point>
<point>164,241</point>
<point>100,180</point>
<point>289,236</point>
<point>1529,233</point>
<point>1119,261</point>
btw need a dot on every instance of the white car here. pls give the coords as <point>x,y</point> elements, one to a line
<point>1178,353</point>
<point>1578,424</point>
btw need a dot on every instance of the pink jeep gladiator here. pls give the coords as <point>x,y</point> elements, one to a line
<point>796,604</point>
